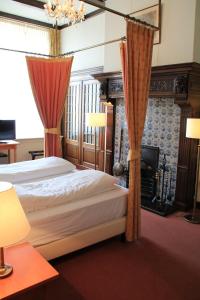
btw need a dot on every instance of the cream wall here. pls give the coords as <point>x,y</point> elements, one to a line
<point>115,27</point>
<point>180,41</point>
<point>82,35</point>
<point>25,145</point>
<point>197,34</point>
<point>177,32</point>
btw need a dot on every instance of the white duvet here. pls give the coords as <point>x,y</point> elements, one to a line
<point>63,189</point>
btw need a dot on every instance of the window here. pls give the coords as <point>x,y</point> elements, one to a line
<point>16,99</point>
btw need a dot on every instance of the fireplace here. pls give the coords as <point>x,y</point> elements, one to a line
<point>149,169</point>
<point>161,131</point>
<point>173,97</point>
<point>156,179</point>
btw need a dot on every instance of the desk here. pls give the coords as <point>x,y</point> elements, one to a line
<point>9,145</point>
<point>30,270</point>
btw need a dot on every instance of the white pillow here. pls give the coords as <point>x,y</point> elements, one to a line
<point>33,169</point>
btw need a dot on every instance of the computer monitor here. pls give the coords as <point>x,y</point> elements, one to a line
<point>7,130</point>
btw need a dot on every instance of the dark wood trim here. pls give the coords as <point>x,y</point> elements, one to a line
<point>23,19</point>
<point>44,24</point>
<point>34,3</point>
<point>94,2</point>
<point>166,81</point>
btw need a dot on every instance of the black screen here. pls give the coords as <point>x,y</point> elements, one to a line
<point>150,156</point>
<point>7,130</point>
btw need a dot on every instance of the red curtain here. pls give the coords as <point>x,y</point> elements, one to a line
<point>136,56</point>
<point>49,80</point>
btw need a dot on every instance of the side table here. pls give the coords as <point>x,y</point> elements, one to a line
<point>30,270</point>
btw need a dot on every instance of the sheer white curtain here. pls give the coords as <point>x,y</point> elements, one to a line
<point>16,100</point>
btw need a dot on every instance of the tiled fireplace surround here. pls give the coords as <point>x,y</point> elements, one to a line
<point>162,128</point>
<point>174,96</point>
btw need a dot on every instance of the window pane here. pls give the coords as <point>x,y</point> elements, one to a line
<point>16,99</point>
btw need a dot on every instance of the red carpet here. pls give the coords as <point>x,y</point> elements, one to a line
<point>163,265</point>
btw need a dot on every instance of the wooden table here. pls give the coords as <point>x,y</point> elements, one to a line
<point>9,145</point>
<point>30,270</point>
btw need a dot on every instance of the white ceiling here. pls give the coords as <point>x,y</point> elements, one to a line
<point>27,11</point>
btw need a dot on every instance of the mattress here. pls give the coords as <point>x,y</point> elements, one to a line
<point>58,222</point>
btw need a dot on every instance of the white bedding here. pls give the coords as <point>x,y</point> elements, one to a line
<point>28,170</point>
<point>63,189</point>
<point>61,201</point>
<point>58,222</point>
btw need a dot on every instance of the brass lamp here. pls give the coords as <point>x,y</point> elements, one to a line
<point>193,131</point>
<point>95,120</point>
<point>13,223</point>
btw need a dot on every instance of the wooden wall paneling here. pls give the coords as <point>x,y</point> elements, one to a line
<point>109,139</point>
<point>183,199</point>
<point>182,83</point>
<point>101,147</point>
<point>87,145</point>
<point>190,107</point>
<point>81,151</point>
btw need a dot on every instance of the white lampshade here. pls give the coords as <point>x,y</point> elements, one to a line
<point>193,128</point>
<point>13,222</point>
<point>96,119</point>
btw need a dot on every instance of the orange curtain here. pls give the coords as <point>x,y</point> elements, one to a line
<point>136,56</point>
<point>49,81</point>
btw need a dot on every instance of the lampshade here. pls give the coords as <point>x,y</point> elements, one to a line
<point>96,119</point>
<point>13,223</point>
<point>193,128</point>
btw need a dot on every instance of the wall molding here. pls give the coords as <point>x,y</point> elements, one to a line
<point>86,73</point>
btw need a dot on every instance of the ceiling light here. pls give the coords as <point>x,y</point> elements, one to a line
<point>65,10</point>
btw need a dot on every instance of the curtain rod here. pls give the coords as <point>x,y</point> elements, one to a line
<point>27,52</point>
<point>128,17</point>
<point>94,46</point>
<point>67,53</point>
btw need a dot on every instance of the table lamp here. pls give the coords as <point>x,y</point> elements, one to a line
<point>13,223</point>
<point>96,120</point>
<point>193,131</point>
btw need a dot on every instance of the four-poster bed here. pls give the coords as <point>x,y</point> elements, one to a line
<point>67,209</point>
<point>132,55</point>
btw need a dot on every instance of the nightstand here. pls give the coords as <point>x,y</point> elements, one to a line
<point>30,270</point>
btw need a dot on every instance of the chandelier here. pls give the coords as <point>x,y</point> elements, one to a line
<point>58,10</point>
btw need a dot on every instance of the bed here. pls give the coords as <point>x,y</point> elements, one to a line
<point>67,209</point>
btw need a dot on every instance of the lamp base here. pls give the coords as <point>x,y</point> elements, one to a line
<point>5,271</point>
<point>192,219</point>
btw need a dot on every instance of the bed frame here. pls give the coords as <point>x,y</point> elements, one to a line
<point>83,239</point>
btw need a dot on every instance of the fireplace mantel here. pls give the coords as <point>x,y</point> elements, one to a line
<point>174,81</point>
<point>182,83</point>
